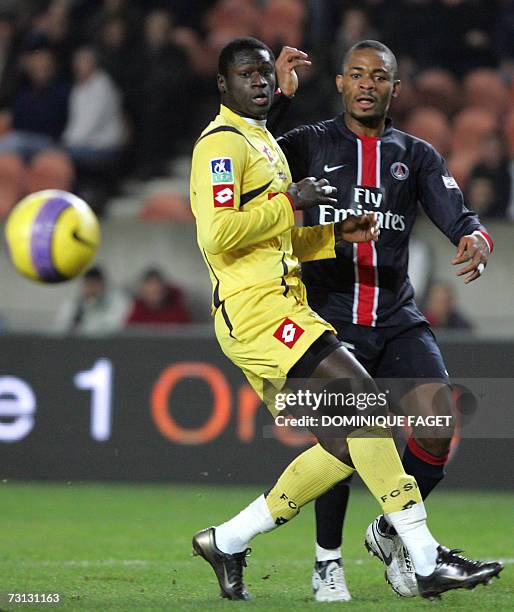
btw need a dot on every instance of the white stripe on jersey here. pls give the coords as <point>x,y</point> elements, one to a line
<point>359,162</point>
<point>377,170</point>
<point>355,318</point>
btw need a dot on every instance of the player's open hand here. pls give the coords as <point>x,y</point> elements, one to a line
<point>472,248</point>
<point>309,192</point>
<point>357,228</point>
<point>289,59</point>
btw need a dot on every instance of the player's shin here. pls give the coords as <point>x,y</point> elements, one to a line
<point>308,476</point>
<point>376,459</point>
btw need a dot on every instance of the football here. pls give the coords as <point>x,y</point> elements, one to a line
<point>52,236</point>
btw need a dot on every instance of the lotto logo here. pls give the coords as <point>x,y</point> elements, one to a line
<point>288,333</point>
<point>223,195</point>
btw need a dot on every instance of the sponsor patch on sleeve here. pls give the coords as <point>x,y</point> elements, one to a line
<point>221,170</point>
<point>223,195</point>
<point>450,182</point>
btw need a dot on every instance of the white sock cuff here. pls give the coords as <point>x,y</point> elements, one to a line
<point>408,516</point>
<point>327,554</point>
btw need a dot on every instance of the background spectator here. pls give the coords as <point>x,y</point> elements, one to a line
<point>163,95</point>
<point>94,133</point>
<point>39,108</point>
<point>441,310</point>
<point>157,302</point>
<point>97,309</point>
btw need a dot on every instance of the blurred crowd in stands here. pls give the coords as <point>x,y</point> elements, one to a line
<point>100,307</point>
<point>92,91</point>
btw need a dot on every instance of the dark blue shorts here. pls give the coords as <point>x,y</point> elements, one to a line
<point>406,353</point>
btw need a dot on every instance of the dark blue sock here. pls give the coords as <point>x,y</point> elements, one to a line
<point>330,512</point>
<point>427,469</point>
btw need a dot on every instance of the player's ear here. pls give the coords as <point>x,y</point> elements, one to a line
<point>222,88</point>
<point>397,87</point>
<point>339,83</point>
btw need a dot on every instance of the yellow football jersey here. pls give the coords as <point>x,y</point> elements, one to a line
<point>245,222</point>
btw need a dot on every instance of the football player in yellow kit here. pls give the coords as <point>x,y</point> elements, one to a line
<point>243,201</point>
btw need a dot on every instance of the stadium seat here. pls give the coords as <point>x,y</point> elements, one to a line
<point>12,175</point>
<point>439,88</point>
<point>282,20</point>
<point>431,125</point>
<point>170,206</point>
<point>484,88</point>
<point>470,127</point>
<point>50,170</point>
<point>237,16</point>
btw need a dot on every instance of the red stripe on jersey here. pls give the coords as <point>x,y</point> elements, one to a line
<point>369,161</point>
<point>366,292</point>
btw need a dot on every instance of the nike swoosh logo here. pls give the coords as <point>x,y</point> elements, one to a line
<point>327,168</point>
<point>387,558</point>
<point>228,584</point>
<point>82,240</point>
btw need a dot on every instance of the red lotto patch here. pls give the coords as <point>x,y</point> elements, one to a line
<point>288,333</point>
<point>223,195</point>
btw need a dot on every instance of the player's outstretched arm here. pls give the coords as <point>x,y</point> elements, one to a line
<point>285,67</point>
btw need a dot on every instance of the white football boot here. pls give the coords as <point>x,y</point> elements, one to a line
<point>328,581</point>
<point>399,571</point>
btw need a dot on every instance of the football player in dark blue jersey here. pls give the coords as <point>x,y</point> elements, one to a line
<point>366,292</point>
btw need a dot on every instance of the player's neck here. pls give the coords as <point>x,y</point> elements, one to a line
<point>361,129</point>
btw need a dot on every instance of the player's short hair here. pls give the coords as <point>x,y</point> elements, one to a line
<point>229,51</point>
<point>376,46</point>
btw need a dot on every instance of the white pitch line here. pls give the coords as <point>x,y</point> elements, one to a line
<point>142,562</point>
<point>89,563</point>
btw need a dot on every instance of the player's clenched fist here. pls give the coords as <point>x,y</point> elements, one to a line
<point>357,228</point>
<point>309,192</point>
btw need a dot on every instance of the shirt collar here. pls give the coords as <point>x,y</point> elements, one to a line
<point>238,119</point>
<point>349,134</point>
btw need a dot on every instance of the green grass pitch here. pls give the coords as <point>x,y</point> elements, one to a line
<point>108,547</point>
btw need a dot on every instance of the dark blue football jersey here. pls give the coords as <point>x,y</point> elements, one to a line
<point>368,284</point>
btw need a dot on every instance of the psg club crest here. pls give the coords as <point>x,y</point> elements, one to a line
<point>399,171</point>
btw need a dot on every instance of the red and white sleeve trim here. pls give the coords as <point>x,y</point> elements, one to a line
<point>486,237</point>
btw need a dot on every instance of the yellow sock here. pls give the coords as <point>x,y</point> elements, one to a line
<point>307,477</point>
<point>376,459</point>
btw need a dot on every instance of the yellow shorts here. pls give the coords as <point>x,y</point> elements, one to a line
<point>265,332</point>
